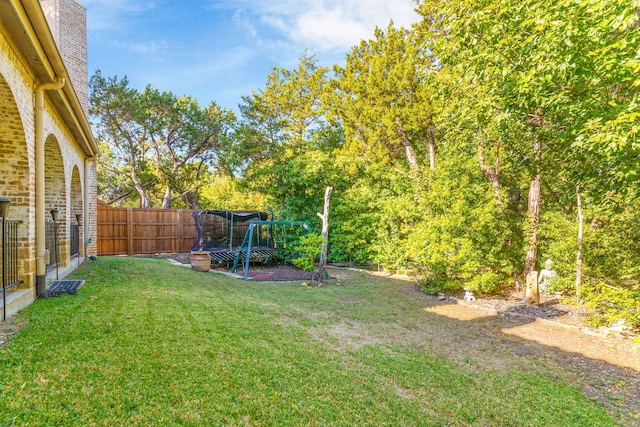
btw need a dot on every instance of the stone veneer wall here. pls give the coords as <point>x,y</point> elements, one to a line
<point>17,153</point>
<point>92,207</point>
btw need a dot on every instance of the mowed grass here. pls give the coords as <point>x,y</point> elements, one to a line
<point>149,343</point>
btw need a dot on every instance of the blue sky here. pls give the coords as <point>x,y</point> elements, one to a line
<point>220,50</point>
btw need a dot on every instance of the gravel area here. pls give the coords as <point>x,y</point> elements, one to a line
<point>551,307</point>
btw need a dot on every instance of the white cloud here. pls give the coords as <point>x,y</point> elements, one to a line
<point>242,20</point>
<point>323,25</point>
<point>113,15</point>
<point>339,25</point>
<point>328,30</point>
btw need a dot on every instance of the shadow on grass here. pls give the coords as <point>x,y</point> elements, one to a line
<point>205,336</point>
<point>604,368</point>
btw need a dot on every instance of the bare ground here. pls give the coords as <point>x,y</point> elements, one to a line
<point>500,333</point>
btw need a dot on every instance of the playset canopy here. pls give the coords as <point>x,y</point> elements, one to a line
<point>243,236</point>
<point>221,232</point>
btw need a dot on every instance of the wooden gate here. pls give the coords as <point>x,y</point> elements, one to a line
<point>128,231</point>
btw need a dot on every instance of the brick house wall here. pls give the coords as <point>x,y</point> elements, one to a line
<point>42,45</point>
<point>68,22</point>
<point>17,152</point>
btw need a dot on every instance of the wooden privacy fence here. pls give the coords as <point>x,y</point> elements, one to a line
<point>127,231</point>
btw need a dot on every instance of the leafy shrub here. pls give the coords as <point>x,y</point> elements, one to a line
<point>353,224</point>
<point>464,239</point>
<point>611,303</point>
<point>611,268</point>
<point>558,242</point>
<point>307,250</point>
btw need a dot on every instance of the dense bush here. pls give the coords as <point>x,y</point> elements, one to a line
<point>611,261</point>
<point>464,238</point>
<point>306,250</point>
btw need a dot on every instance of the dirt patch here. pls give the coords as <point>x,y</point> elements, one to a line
<point>283,273</point>
<point>9,328</point>
<point>259,272</point>
<point>344,336</point>
<point>505,333</point>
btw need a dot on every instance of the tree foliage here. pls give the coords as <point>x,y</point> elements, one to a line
<point>550,86</point>
<point>284,142</point>
<point>380,99</point>
<point>165,143</point>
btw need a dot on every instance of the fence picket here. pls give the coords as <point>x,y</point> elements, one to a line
<point>129,231</point>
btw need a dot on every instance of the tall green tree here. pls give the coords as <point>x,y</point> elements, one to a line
<point>186,140</point>
<point>170,140</point>
<point>543,65</point>
<point>383,102</point>
<point>114,108</point>
<point>284,140</point>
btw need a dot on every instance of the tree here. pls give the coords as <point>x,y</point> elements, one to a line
<point>114,183</point>
<point>115,108</point>
<point>284,137</point>
<point>185,139</point>
<point>283,118</point>
<point>535,62</point>
<point>382,100</point>
<point>169,140</point>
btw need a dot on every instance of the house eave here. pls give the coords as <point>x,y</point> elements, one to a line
<point>27,26</point>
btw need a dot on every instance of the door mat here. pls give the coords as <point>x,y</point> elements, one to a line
<point>59,287</point>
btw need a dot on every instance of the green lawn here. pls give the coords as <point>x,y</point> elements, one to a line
<point>149,343</point>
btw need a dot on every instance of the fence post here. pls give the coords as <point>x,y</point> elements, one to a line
<point>130,231</point>
<point>130,250</point>
<point>179,238</point>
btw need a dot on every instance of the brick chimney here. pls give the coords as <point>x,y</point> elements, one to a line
<point>68,22</point>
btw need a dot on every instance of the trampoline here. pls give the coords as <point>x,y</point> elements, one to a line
<point>221,233</point>
<point>244,237</point>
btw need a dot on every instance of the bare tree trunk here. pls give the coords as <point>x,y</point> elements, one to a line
<point>580,233</point>
<point>408,148</point>
<point>322,265</point>
<point>184,195</point>
<point>144,199</point>
<point>190,197</point>
<point>534,213</point>
<point>166,200</point>
<point>411,154</point>
<point>534,222</point>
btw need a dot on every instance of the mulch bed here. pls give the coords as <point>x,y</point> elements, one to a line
<point>551,307</point>
<point>258,272</point>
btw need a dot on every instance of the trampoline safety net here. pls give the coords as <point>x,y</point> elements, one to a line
<point>221,234</point>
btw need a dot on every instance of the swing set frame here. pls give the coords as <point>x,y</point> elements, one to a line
<point>244,252</point>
